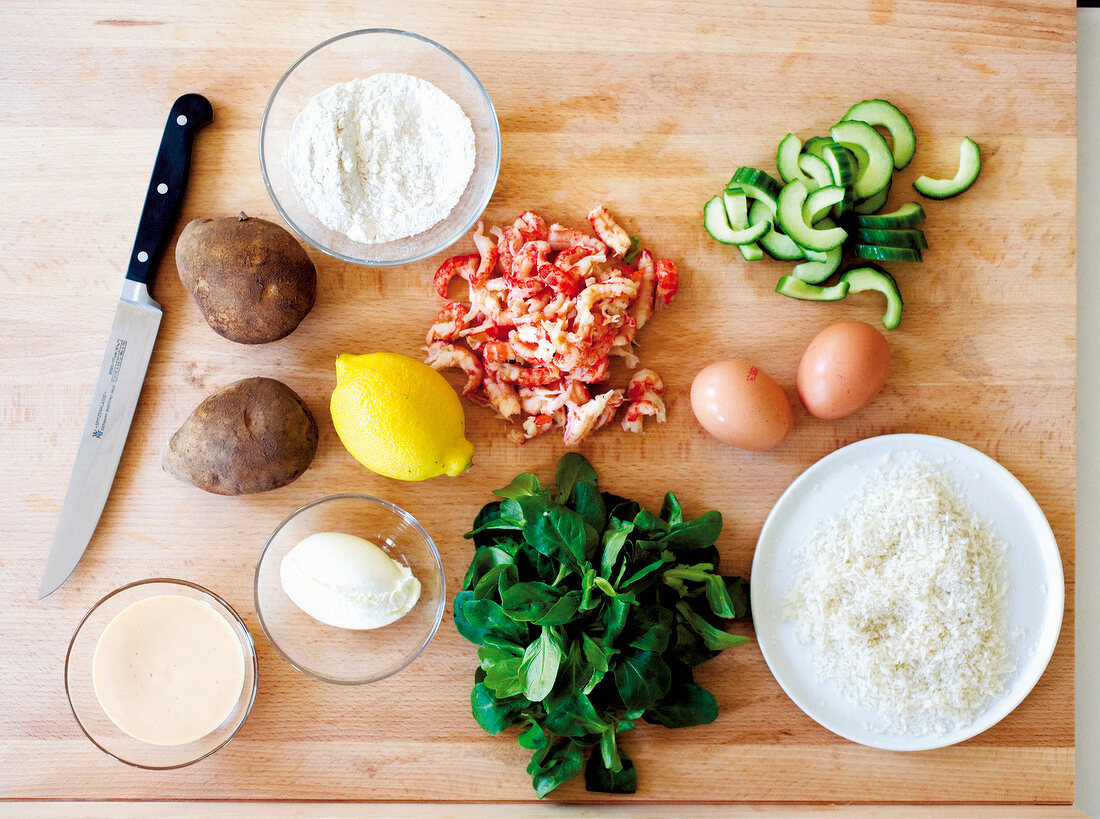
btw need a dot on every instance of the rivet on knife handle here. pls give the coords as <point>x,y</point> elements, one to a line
<point>162,202</point>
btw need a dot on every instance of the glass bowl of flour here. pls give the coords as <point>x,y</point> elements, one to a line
<point>380,147</point>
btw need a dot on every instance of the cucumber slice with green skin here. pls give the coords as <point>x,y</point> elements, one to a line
<point>775,243</point>
<point>970,163</point>
<point>798,289</point>
<point>820,202</point>
<point>751,252</point>
<point>737,212</point>
<point>791,219</point>
<point>877,169</point>
<point>842,166</point>
<point>909,237</point>
<point>873,277</point>
<point>786,159</point>
<point>814,167</point>
<point>886,114</point>
<point>908,215</point>
<point>872,203</point>
<point>717,224</point>
<point>815,146</point>
<point>755,183</point>
<point>814,271</point>
<point>879,253</point>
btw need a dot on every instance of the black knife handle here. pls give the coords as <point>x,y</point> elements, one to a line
<point>162,203</point>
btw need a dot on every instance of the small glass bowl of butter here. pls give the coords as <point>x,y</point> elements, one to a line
<point>161,673</point>
<point>349,589</point>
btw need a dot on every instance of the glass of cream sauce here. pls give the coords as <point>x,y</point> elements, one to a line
<point>161,673</point>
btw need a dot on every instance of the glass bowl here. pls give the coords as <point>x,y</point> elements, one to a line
<point>93,720</point>
<point>359,54</point>
<point>344,656</point>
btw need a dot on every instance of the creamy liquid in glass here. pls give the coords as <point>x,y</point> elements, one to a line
<point>168,669</point>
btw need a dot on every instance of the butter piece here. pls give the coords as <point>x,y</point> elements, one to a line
<point>348,582</point>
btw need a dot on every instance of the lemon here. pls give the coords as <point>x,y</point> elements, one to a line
<point>399,417</point>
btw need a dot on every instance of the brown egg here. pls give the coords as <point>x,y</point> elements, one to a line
<point>843,369</point>
<point>740,404</point>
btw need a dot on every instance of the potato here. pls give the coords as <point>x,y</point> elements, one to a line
<point>251,436</point>
<point>251,279</point>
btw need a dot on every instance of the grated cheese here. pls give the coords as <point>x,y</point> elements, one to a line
<point>902,597</point>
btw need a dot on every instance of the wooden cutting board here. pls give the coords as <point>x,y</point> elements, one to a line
<point>647,107</point>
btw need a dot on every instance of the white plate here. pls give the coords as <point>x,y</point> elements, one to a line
<point>1036,592</point>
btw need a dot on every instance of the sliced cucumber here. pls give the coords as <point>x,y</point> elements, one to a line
<point>911,238</point>
<point>842,166</point>
<point>791,219</point>
<point>879,253</point>
<point>815,146</point>
<point>970,163</point>
<point>751,252</point>
<point>777,244</point>
<point>886,114</point>
<point>815,168</point>
<point>820,202</point>
<point>873,277</point>
<point>872,203</point>
<point>798,289</point>
<point>755,183</point>
<point>877,169</point>
<point>908,215</point>
<point>816,271</point>
<point>786,158</point>
<point>717,223</point>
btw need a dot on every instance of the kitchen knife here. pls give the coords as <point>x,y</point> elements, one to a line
<point>128,348</point>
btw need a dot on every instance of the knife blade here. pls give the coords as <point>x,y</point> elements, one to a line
<point>129,347</point>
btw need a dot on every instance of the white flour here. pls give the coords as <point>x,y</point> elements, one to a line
<point>381,158</point>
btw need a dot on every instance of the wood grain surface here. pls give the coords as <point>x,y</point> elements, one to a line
<point>647,107</point>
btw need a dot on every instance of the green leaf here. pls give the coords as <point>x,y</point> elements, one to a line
<point>610,752</point>
<point>485,558</point>
<point>713,638</point>
<point>500,651</point>
<point>642,678</point>
<point>670,510</point>
<point>491,714</point>
<point>653,626</point>
<point>505,677</point>
<point>562,612</point>
<point>486,588</point>
<point>531,507</point>
<point>718,597</point>
<point>559,533</point>
<point>613,540</point>
<point>633,251</point>
<point>588,583</point>
<point>572,469</point>
<point>574,716</point>
<point>526,483</point>
<point>645,522</point>
<point>540,666</point>
<point>615,621</point>
<point>590,506</point>
<point>533,738</point>
<point>695,534</point>
<point>684,705</point>
<point>562,763</point>
<point>598,661</point>
<point>474,619</point>
<point>529,601</point>
<point>599,779</point>
<point>642,572</point>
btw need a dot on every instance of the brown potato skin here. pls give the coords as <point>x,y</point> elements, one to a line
<point>251,436</point>
<point>250,278</point>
